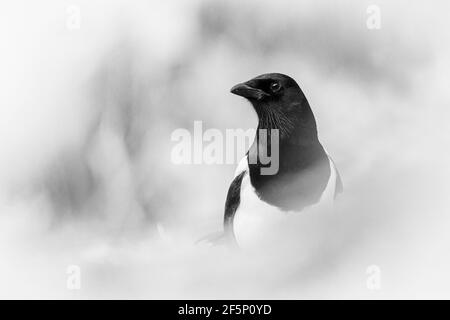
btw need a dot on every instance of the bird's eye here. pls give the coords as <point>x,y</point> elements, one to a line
<point>275,86</point>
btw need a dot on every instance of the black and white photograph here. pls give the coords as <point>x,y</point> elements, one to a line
<point>197,150</point>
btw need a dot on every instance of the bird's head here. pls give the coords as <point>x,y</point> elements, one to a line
<point>278,101</point>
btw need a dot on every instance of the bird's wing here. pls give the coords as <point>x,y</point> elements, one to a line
<point>234,195</point>
<point>339,187</point>
<point>232,203</point>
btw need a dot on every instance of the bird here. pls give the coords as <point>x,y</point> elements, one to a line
<point>263,209</point>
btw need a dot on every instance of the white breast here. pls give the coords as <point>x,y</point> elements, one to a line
<point>258,224</point>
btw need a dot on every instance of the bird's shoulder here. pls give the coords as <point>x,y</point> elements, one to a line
<point>242,166</point>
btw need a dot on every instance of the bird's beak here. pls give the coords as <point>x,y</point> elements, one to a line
<point>247,91</point>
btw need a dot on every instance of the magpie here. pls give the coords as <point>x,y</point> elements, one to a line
<point>264,207</point>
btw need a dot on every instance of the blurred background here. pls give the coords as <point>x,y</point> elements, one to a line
<point>92,90</point>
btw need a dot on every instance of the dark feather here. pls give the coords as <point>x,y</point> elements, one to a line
<point>232,203</point>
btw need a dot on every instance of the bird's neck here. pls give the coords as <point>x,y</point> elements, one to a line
<point>296,148</point>
<point>297,128</point>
